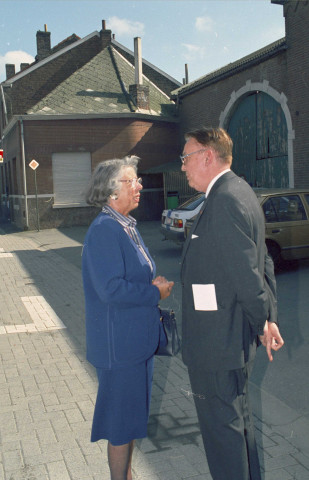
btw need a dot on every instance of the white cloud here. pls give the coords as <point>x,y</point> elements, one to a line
<point>124,27</point>
<point>204,24</point>
<point>193,52</point>
<point>16,57</point>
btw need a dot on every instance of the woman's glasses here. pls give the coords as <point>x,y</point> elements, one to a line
<point>133,181</point>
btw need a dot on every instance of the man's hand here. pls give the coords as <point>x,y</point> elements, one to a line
<point>271,339</point>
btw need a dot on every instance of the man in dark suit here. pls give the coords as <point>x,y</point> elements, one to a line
<point>229,303</point>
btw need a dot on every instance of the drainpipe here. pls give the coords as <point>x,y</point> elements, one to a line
<point>4,106</point>
<point>23,162</point>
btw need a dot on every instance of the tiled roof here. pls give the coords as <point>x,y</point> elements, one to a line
<point>101,86</point>
<point>67,41</point>
<point>232,68</point>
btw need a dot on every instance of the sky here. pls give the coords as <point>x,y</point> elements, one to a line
<point>204,34</point>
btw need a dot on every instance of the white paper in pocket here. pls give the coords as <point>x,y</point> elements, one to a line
<point>204,297</point>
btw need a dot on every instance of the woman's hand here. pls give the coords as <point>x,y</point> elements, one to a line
<point>164,286</point>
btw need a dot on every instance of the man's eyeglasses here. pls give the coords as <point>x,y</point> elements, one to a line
<point>183,157</point>
<point>133,181</point>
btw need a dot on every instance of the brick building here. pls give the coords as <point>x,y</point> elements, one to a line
<point>81,102</point>
<point>263,101</point>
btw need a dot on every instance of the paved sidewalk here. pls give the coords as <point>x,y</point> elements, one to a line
<point>48,389</point>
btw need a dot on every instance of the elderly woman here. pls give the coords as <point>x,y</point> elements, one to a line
<point>122,315</point>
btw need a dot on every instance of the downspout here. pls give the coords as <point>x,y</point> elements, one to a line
<point>5,116</point>
<point>164,191</point>
<point>23,162</point>
<point>4,106</point>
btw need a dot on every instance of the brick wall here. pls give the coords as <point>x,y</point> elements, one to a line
<point>204,106</point>
<point>297,21</point>
<point>287,73</point>
<point>154,142</point>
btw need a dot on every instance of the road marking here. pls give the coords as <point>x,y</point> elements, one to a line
<point>4,254</point>
<point>43,316</point>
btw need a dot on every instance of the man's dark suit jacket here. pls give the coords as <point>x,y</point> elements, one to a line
<point>226,248</point>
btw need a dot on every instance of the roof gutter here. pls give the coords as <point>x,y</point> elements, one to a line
<point>229,70</point>
<point>87,116</point>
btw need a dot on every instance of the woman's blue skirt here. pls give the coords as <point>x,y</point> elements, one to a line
<point>123,401</point>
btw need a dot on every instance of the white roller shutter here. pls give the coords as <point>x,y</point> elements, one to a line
<point>71,174</point>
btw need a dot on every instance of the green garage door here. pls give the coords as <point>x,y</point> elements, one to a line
<point>259,132</point>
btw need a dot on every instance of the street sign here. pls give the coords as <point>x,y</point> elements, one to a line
<point>33,164</point>
<point>1,155</point>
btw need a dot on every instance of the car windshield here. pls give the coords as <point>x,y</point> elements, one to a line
<point>192,202</point>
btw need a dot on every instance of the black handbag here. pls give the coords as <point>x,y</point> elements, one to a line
<point>169,342</point>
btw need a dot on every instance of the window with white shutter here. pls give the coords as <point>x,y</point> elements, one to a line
<point>71,174</point>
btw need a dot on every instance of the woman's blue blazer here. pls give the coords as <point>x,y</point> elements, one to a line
<point>122,314</point>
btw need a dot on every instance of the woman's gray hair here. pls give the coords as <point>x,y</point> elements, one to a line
<point>105,178</point>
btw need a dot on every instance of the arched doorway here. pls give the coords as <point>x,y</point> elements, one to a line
<point>259,131</point>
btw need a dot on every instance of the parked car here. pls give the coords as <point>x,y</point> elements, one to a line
<point>286,220</point>
<point>173,221</point>
<point>188,226</point>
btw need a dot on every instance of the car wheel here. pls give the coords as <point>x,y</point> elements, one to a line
<point>274,252</point>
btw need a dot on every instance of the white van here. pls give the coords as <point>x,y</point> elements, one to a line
<point>173,221</point>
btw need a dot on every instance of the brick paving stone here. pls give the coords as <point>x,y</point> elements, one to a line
<point>168,475</point>
<point>282,447</point>
<point>298,472</point>
<point>280,474</point>
<point>48,389</point>
<point>58,471</point>
<point>183,467</point>
<point>37,472</point>
<point>12,459</point>
<point>279,462</point>
<point>302,458</point>
<point>98,465</point>
<point>30,446</point>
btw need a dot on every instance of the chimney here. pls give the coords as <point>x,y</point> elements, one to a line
<point>43,44</point>
<point>138,91</point>
<point>186,74</point>
<point>106,35</point>
<point>10,70</point>
<point>23,66</point>
<point>138,61</point>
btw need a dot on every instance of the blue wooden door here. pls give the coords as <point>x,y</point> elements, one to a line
<point>259,132</point>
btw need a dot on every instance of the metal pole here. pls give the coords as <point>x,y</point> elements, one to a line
<point>37,203</point>
<point>23,164</point>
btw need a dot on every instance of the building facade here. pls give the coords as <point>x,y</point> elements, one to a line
<point>80,103</point>
<point>263,101</point>
<point>88,100</point>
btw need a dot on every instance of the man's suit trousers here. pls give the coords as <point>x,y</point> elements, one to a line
<point>226,423</point>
